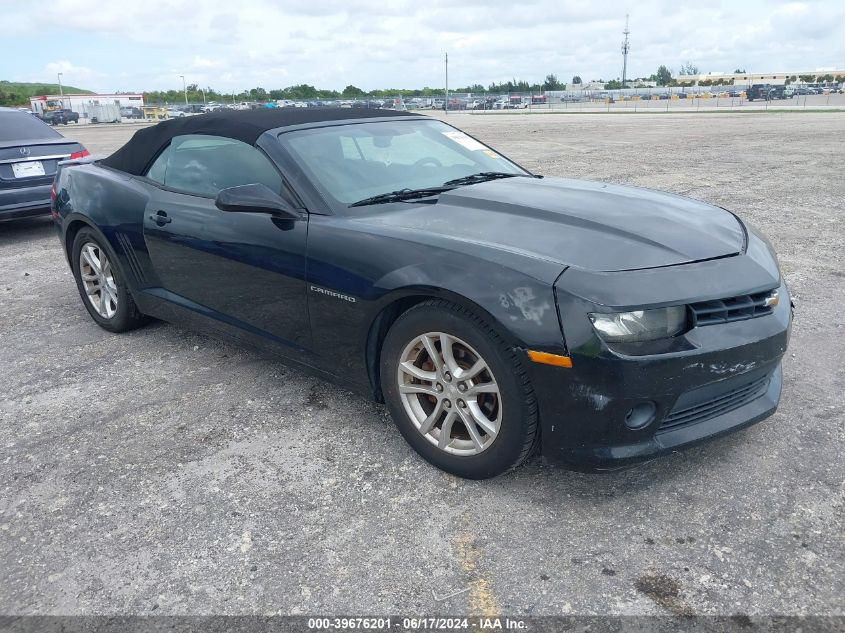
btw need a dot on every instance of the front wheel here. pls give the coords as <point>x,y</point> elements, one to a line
<point>101,285</point>
<point>457,391</point>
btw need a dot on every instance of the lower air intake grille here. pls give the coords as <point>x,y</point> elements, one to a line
<point>719,405</point>
<point>732,309</point>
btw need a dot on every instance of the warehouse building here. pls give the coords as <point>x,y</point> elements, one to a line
<point>747,79</point>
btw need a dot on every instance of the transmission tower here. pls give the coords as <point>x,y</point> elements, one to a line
<point>625,49</point>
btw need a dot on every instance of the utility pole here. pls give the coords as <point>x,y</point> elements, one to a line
<point>446,105</point>
<point>184,88</point>
<point>625,49</point>
<point>61,92</point>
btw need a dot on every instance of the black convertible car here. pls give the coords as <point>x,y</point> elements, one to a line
<point>494,311</point>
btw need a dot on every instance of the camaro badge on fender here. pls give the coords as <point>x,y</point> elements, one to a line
<point>332,293</point>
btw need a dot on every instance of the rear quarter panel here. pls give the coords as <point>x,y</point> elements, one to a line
<point>110,202</point>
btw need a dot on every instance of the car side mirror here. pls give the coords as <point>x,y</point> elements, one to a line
<point>254,198</point>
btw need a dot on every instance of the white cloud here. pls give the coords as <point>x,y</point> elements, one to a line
<point>67,68</point>
<point>126,44</point>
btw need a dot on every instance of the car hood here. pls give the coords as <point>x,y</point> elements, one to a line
<point>589,225</point>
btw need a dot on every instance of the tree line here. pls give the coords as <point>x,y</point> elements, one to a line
<point>307,91</point>
<point>19,93</point>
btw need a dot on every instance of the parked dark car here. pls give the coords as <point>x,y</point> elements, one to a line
<point>777,92</point>
<point>60,117</point>
<point>29,153</point>
<point>492,310</point>
<point>758,92</point>
<point>131,112</point>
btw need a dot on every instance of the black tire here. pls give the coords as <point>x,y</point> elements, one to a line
<point>519,430</point>
<point>127,316</point>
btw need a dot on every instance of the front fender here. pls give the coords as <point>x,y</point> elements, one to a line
<point>522,308</point>
<point>356,281</point>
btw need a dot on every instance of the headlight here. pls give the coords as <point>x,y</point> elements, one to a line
<point>641,325</point>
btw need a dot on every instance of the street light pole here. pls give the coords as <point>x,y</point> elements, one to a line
<point>61,92</point>
<point>446,105</point>
<point>184,88</point>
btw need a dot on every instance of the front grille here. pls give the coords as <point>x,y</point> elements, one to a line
<point>717,406</point>
<point>731,309</point>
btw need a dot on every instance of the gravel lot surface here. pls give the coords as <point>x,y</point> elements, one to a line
<point>169,473</point>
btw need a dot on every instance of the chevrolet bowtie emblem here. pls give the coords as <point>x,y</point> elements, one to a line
<point>772,300</point>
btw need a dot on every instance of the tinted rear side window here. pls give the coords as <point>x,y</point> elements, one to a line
<point>20,126</point>
<point>203,165</point>
<point>159,167</point>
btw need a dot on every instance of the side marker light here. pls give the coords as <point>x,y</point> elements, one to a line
<point>544,358</point>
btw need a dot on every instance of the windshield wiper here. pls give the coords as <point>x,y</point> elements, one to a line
<point>482,177</point>
<point>400,195</point>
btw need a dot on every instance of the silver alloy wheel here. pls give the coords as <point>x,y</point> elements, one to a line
<point>98,279</point>
<point>450,393</point>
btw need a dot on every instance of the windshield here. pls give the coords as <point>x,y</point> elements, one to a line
<point>353,162</point>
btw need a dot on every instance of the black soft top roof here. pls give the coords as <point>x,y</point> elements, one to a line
<point>243,125</point>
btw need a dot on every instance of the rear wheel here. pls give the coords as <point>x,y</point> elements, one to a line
<point>457,391</point>
<point>101,285</point>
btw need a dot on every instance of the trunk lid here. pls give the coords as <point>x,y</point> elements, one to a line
<point>48,152</point>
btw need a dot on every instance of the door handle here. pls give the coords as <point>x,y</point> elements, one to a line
<point>160,218</point>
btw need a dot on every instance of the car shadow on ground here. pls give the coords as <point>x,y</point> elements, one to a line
<point>527,481</point>
<point>25,229</point>
<point>665,472</point>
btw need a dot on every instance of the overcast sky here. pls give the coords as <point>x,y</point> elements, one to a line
<point>128,45</point>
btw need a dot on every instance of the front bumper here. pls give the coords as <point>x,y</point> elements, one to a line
<point>723,378</point>
<point>657,442</point>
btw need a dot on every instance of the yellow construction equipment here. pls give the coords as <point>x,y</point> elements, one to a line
<point>157,113</point>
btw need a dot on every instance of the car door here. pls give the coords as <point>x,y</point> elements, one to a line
<point>246,271</point>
